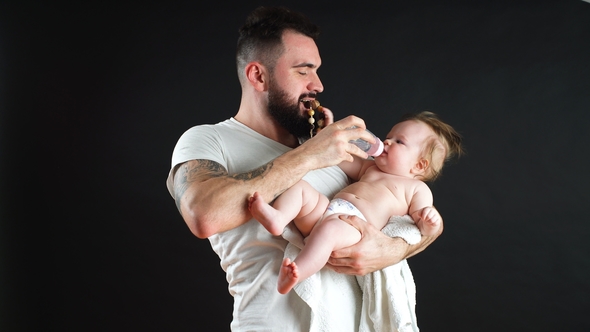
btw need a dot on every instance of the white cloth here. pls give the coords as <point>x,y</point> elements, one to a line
<point>389,295</point>
<point>251,256</point>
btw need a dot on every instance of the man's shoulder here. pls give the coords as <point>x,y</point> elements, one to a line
<point>207,129</point>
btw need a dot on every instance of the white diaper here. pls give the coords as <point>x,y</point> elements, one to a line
<point>342,206</point>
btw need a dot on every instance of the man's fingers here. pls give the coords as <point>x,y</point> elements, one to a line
<point>328,116</point>
<point>353,221</point>
<point>340,256</point>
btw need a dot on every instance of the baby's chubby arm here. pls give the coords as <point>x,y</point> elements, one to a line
<point>426,217</point>
<point>356,168</point>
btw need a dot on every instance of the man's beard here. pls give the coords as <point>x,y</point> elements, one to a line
<point>287,113</point>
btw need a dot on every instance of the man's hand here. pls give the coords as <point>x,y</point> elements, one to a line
<point>373,252</point>
<point>331,145</point>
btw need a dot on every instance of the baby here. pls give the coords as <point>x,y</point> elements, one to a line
<point>392,184</point>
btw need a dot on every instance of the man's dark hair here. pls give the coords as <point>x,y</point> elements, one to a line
<point>260,36</point>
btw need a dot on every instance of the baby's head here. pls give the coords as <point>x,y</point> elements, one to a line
<point>444,145</point>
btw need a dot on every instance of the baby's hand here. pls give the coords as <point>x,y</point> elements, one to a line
<point>429,221</point>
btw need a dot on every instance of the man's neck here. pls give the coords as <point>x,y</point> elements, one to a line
<point>268,127</point>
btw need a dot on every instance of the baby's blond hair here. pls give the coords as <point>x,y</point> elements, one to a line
<point>445,146</point>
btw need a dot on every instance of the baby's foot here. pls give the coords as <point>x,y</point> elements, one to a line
<point>265,214</point>
<point>288,276</point>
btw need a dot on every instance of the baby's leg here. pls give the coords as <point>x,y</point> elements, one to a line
<point>300,202</point>
<point>288,276</point>
<point>313,206</point>
<point>329,235</point>
<point>273,220</point>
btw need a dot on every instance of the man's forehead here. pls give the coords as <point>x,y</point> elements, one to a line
<point>299,48</point>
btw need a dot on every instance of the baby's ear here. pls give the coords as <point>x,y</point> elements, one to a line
<point>420,167</point>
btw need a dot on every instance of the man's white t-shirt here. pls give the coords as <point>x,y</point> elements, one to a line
<point>251,256</point>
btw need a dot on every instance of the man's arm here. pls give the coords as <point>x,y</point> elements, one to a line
<point>211,201</point>
<point>375,250</point>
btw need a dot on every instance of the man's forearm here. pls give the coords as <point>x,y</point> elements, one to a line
<point>399,249</point>
<point>419,247</point>
<point>425,241</point>
<point>212,201</point>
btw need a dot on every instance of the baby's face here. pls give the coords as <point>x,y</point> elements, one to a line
<point>403,147</point>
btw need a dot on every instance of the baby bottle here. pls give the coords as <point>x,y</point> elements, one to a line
<point>372,150</point>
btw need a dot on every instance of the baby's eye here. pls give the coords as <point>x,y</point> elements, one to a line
<point>399,141</point>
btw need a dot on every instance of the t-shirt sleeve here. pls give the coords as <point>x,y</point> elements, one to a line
<point>199,142</point>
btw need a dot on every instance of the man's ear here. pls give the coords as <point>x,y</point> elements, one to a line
<point>257,75</point>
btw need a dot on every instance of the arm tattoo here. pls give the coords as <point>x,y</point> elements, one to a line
<point>257,172</point>
<point>203,169</point>
<point>188,173</point>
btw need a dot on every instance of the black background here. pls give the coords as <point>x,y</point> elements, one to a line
<point>94,95</point>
